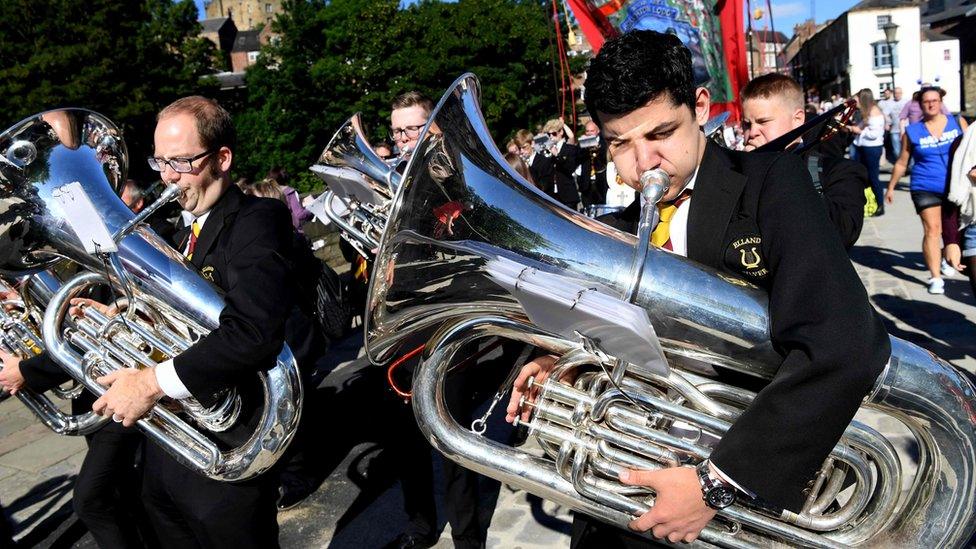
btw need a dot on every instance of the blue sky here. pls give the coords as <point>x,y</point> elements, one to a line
<point>786,13</point>
<point>199,4</point>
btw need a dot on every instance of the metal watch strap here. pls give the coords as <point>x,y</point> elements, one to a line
<point>710,484</point>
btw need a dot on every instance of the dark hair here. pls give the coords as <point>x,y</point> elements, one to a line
<point>411,99</point>
<point>137,189</point>
<point>214,124</point>
<point>638,67</point>
<point>278,174</point>
<point>935,89</point>
<point>519,165</point>
<point>773,85</point>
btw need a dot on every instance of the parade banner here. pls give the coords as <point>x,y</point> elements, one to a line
<point>712,29</point>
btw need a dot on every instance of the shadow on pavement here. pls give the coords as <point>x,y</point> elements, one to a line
<point>546,520</point>
<point>49,492</point>
<point>890,261</point>
<point>945,332</point>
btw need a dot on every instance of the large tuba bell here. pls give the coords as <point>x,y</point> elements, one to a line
<point>51,166</point>
<point>360,186</point>
<point>441,274</point>
<point>20,323</point>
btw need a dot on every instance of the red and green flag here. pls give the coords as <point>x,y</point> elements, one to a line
<point>712,29</point>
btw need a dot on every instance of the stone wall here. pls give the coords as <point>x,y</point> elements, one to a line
<point>969,87</point>
<point>329,252</point>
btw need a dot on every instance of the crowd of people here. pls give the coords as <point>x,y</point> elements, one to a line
<point>721,197</point>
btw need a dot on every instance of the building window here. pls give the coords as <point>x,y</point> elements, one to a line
<point>882,87</point>
<point>883,20</point>
<point>882,57</point>
<point>946,55</point>
<point>268,8</point>
<point>252,56</point>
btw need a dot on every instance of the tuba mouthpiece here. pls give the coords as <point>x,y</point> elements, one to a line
<point>654,185</point>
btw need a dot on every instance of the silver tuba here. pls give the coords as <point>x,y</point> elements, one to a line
<point>20,322</point>
<point>442,282</point>
<point>51,166</point>
<point>360,186</point>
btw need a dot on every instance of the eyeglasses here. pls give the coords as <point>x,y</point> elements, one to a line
<point>409,131</point>
<point>178,165</point>
<point>558,133</point>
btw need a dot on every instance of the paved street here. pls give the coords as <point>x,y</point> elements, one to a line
<point>358,503</point>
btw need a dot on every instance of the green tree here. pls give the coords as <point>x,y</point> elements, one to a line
<point>335,58</point>
<point>123,58</point>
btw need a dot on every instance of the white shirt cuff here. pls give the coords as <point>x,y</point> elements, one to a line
<point>718,472</point>
<point>169,382</point>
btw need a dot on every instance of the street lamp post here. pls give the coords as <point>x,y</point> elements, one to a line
<point>890,30</point>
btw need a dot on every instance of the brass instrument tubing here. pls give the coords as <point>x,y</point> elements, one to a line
<point>396,364</point>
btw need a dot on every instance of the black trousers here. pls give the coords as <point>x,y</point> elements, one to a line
<point>416,474</point>
<point>188,510</point>
<point>106,494</point>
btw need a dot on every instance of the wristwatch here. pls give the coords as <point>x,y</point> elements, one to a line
<point>717,493</point>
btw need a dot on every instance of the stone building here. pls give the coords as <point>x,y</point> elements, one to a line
<point>852,52</point>
<point>247,14</point>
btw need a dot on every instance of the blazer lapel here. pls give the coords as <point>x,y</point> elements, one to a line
<point>716,194</point>
<point>221,214</point>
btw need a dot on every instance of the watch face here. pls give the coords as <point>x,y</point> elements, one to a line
<point>720,497</point>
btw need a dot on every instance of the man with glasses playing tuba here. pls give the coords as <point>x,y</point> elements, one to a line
<point>246,247</point>
<point>410,112</point>
<point>408,116</point>
<point>755,216</point>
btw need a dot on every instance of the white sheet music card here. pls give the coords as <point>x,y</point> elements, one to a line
<point>318,206</point>
<point>566,305</point>
<point>84,219</point>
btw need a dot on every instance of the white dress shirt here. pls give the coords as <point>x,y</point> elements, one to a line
<point>169,382</point>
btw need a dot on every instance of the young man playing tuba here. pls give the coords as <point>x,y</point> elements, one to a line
<point>754,216</point>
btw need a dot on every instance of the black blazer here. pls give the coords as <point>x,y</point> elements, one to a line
<point>41,373</point>
<point>593,185</point>
<point>843,182</point>
<point>542,169</point>
<point>249,249</point>
<point>757,216</point>
<point>564,187</point>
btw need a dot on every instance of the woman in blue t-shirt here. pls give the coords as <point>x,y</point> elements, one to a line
<point>927,142</point>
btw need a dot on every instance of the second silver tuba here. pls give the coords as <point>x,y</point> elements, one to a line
<point>462,216</point>
<point>60,174</point>
<point>20,324</point>
<point>360,186</point>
